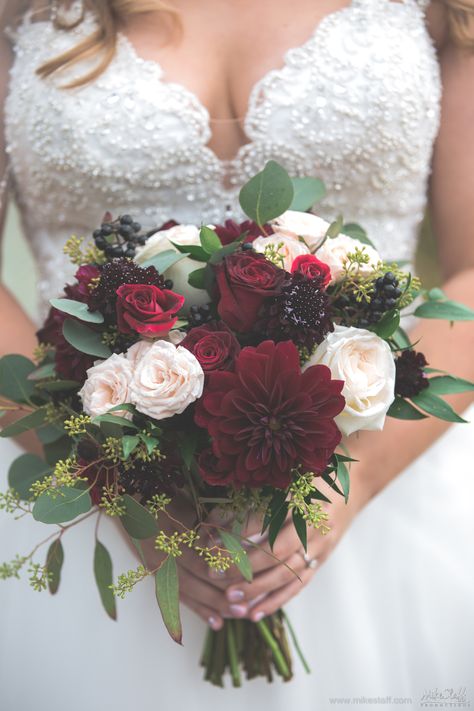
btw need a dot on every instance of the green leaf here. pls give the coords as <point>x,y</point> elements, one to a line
<point>448,385</point>
<point>268,194</point>
<point>164,260</point>
<point>24,471</point>
<point>50,433</point>
<point>193,251</point>
<point>54,564</point>
<point>59,449</point>
<point>14,383</point>
<point>224,252</point>
<point>84,339</point>
<point>196,278</point>
<point>127,406</point>
<point>301,528</point>
<point>343,476</point>
<point>54,386</point>
<point>129,442</point>
<point>319,495</point>
<point>401,409</point>
<point>210,242</point>
<point>137,520</point>
<point>446,310</point>
<point>104,578</point>
<point>388,324</point>
<point>307,192</point>
<point>335,228</point>
<point>66,506</point>
<point>29,422</point>
<point>352,229</point>
<point>167,595</point>
<point>434,405</point>
<point>150,442</point>
<point>329,480</point>
<point>276,523</point>
<point>77,309</point>
<point>48,370</point>
<point>114,420</point>
<point>188,447</point>
<point>239,554</point>
<point>436,294</point>
<point>401,339</point>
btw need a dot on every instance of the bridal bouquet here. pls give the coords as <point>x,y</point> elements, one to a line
<point>220,365</point>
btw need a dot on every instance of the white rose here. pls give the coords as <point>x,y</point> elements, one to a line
<point>166,380</point>
<point>302,224</point>
<point>366,365</point>
<point>289,250</point>
<point>334,253</point>
<point>107,385</point>
<point>179,272</point>
<point>136,352</point>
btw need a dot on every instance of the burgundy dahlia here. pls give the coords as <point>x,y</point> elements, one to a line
<point>410,375</point>
<point>231,231</point>
<point>268,417</point>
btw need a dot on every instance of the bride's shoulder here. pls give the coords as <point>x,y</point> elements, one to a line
<point>450,22</point>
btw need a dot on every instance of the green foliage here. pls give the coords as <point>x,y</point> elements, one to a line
<point>24,471</point>
<point>439,307</point>
<point>129,443</point>
<point>239,555</point>
<point>388,324</point>
<point>114,420</point>
<point>127,581</point>
<point>70,503</point>
<point>334,229</point>
<point>448,385</point>
<point>193,251</point>
<point>167,595</point>
<point>137,521</point>
<point>210,242</point>
<point>401,409</point>
<point>164,260</point>
<point>39,577</point>
<point>104,579</point>
<point>307,192</point>
<point>268,194</point>
<point>352,229</point>
<point>54,564</point>
<point>10,501</point>
<point>84,339</point>
<point>29,422</point>
<point>12,569</point>
<point>434,405</point>
<point>77,309</point>
<point>14,383</point>
<point>300,528</point>
<point>197,278</point>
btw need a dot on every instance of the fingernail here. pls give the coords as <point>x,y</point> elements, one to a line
<point>235,595</point>
<point>258,616</point>
<point>238,610</point>
<point>256,600</point>
<point>214,623</point>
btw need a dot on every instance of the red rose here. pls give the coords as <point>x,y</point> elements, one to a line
<point>147,309</point>
<point>312,268</point>
<point>216,471</point>
<point>244,281</point>
<point>214,345</point>
<point>268,417</point>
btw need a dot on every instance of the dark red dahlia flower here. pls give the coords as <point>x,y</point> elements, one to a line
<point>217,471</point>
<point>410,377</point>
<point>214,345</point>
<point>268,417</point>
<point>231,231</point>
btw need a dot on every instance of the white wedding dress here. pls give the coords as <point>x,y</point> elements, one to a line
<point>391,613</point>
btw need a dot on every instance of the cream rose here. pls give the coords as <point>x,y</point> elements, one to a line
<point>166,379</point>
<point>301,224</point>
<point>107,385</point>
<point>136,352</point>
<point>288,247</point>
<point>179,272</point>
<point>334,253</point>
<point>366,365</point>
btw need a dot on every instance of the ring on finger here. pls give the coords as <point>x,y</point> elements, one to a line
<point>309,562</point>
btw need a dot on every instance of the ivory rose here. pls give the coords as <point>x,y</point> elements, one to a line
<point>366,365</point>
<point>288,247</point>
<point>334,253</point>
<point>301,224</point>
<point>107,385</point>
<point>166,379</point>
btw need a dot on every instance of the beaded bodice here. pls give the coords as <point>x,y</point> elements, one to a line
<point>356,105</point>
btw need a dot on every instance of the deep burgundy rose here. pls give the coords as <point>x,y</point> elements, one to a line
<point>244,281</point>
<point>268,417</point>
<point>146,309</point>
<point>231,231</point>
<point>214,345</point>
<point>312,268</point>
<point>217,471</point>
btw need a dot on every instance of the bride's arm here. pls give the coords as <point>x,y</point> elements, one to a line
<point>383,455</point>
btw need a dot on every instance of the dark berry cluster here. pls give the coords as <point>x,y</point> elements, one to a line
<point>363,313</point>
<point>115,273</point>
<point>199,315</point>
<point>162,476</point>
<point>119,238</point>
<point>410,375</point>
<point>300,313</point>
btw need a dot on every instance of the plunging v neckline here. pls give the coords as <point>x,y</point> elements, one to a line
<point>157,68</point>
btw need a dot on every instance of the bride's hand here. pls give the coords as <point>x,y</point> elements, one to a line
<point>274,584</point>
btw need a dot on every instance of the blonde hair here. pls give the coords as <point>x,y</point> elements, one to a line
<point>111,14</point>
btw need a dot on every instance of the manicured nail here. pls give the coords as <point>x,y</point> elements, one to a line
<point>238,610</point>
<point>235,595</point>
<point>257,616</point>
<point>214,623</point>
<point>256,600</point>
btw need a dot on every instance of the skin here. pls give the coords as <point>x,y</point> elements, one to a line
<point>223,50</point>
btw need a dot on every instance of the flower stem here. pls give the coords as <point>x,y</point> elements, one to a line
<point>232,652</point>
<point>276,651</point>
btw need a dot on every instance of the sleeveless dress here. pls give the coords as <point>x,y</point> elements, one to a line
<point>358,105</point>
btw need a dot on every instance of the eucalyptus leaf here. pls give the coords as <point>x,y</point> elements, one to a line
<point>210,241</point>
<point>59,449</point>
<point>24,471</point>
<point>196,278</point>
<point>104,578</point>
<point>352,229</point>
<point>164,260</point>
<point>268,194</point>
<point>167,595</point>
<point>388,324</point>
<point>239,554</point>
<point>448,385</point>
<point>114,420</point>
<point>14,383</point>
<point>335,228</point>
<point>84,339</point>
<point>50,433</point>
<point>401,409</point>
<point>68,504</point>
<point>434,405</point>
<point>54,564</point>
<point>446,310</point>
<point>53,386</point>
<point>401,339</point>
<point>137,520</point>
<point>77,309</point>
<point>307,192</point>
<point>29,422</point>
<point>218,256</point>
<point>193,251</point>
<point>436,294</point>
<point>47,370</point>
